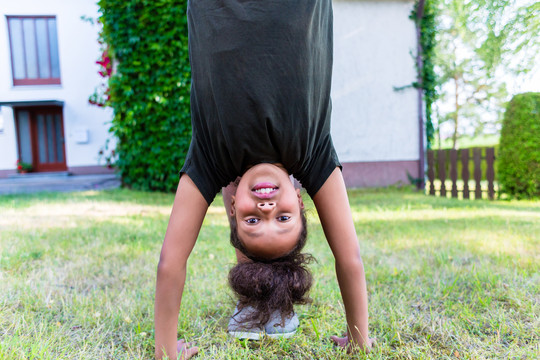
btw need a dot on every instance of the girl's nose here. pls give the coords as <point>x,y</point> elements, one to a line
<point>266,206</point>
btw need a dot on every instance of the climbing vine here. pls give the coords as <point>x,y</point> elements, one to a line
<point>146,41</point>
<point>425,16</point>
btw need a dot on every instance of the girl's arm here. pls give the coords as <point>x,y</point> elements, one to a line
<point>334,211</point>
<point>187,215</point>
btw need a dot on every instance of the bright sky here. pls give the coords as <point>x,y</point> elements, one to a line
<point>515,85</point>
<point>530,83</point>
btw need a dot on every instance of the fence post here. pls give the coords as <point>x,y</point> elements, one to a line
<point>453,172</point>
<point>441,159</point>
<point>490,172</point>
<point>431,172</point>
<point>465,172</point>
<point>477,155</point>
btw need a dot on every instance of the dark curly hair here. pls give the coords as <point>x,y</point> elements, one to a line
<point>270,285</point>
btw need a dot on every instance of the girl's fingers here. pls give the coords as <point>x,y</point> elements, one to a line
<point>182,342</point>
<point>186,349</point>
<point>339,341</point>
<point>180,345</point>
<point>189,352</point>
<point>344,343</point>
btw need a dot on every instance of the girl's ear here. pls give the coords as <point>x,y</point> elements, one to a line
<point>300,201</point>
<point>232,211</point>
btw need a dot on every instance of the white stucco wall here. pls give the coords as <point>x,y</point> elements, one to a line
<point>373,41</point>
<point>78,51</point>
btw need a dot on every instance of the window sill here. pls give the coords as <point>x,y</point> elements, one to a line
<point>36,87</point>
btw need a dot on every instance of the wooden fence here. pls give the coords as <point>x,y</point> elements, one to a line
<point>460,166</point>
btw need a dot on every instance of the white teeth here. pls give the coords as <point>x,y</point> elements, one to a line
<point>264,190</point>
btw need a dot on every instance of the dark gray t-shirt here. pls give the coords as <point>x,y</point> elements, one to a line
<point>260,93</point>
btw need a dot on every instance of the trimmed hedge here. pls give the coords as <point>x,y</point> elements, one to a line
<point>519,149</point>
<point>149,89</point>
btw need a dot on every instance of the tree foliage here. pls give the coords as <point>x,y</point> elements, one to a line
<point>519,154</point>
<point>480,44</point>
<point>149,89</point>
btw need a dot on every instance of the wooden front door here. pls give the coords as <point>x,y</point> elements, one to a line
<point>40,134</point>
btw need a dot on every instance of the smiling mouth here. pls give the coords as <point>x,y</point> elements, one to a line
<point>264,190</point>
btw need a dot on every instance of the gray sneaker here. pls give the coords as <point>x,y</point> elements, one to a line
<point>274,329</point>
<point>242,330</point>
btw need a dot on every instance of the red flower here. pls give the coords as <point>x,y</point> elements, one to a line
<point>105,63</point>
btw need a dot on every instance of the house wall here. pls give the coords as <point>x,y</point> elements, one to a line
<point>375,128</point>
<point>78,51</point>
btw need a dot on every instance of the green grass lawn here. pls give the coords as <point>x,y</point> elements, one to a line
<point>446,279</point>
<point>486,140</point>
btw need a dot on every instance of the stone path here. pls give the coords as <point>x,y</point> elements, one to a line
<point>31,183</point>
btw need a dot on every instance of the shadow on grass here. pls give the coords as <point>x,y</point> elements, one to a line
<point>395,198</point>
<point>116,195</point>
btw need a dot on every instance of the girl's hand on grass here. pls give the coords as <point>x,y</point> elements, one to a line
<point>343,342</point>
<point>185,350</point>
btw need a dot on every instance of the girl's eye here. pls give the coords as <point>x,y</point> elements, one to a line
<point>252,221</point>
<point>283,218</point>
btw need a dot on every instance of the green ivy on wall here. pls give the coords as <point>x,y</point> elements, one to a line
<point>148,89</point>
<point>426,23</point>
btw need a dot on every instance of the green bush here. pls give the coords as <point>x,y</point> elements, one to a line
<point>519,154</point>
<point>149,89</point>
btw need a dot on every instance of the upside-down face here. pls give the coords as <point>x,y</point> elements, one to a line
<point>267,211</point>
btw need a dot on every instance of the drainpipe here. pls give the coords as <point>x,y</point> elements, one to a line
<point>419,65</point>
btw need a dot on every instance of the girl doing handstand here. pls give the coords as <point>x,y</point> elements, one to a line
<point>260,103</point>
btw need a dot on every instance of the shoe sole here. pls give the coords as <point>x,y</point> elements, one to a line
<point>246,335</point>
<point>243,335</point>
<point>281,335</point>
